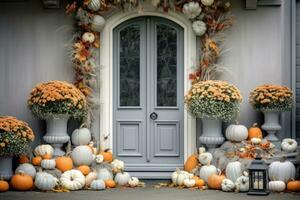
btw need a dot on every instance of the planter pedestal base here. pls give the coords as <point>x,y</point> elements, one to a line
<point>211,133</point>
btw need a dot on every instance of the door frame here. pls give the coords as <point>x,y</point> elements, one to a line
<point>106,73</point>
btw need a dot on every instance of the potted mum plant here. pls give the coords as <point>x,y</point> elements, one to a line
<point>56,102</point>
<point>213,101</point>
<point>271,100</point>
<point>15,138</point>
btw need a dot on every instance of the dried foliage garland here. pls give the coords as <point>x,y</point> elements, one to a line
<point>209,18</point>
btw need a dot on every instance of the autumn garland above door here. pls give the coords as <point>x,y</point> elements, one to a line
<point>209,18</point>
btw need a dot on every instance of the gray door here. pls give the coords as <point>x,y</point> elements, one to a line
<point>298,71</point>
<point>148,95</point>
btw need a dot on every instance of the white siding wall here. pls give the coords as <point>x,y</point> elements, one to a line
<point>32,49</point>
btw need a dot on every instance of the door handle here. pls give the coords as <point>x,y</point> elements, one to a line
<point>153,116</point>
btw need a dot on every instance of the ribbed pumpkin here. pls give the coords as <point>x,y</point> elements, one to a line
<point>110,183</point>
<point>4,186</point>
<point>21,181</point>
<point>23,159</point>
<point>36,161</point>
<point>107,156</point>
<point>85,170</point>
<point>293,186</point>
<point>215,181</point>
<point>64,163</point>
<point>254,132</point>
<point>191,163</point>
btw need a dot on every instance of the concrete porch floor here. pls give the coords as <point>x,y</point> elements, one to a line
<point>147,193</point>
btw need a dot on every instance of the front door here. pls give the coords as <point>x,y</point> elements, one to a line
<point>148,96</point>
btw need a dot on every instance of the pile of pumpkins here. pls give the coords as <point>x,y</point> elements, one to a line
<point>199,173</point>
<point>82,168</point>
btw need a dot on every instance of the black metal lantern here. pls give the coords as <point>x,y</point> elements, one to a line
<point>258,177</point>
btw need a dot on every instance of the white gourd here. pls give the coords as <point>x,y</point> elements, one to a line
<point>122,178</point>
<point>199,27</point>
<point>205,158</point>
<point>289,145</point>
<point>282,171</point>
<point>90,178</point>
<point>117,165</point>
<point>43,149</point>
<point>236,132</point>
<point>82,155</point>
<point>255,141</point>
<point>207,2</point>
<point>72,180</point>
<point>179,176</point>
<point>94,5</point>
<point>277,186</point>
<point>242,184</point>
<point>98,23</point>
<point>190,182</point>
<point>45,181</point>
<point>227,185</point>
<point>27,168</point>
<point>104,174</point>
<point>191,10</point>
<point>233,170</point>
<point>133,182</point>
<point>206,171</point>
<point>82,136</point>
<point>98,185</point>
<point>48,164</point>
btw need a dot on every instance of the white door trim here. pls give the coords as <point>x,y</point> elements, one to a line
<point>106,73</point>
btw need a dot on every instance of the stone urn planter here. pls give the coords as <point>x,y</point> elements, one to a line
<point>211,135</point>
<point>6,171</point>
<point>271,124</point>
<point>56,134</point>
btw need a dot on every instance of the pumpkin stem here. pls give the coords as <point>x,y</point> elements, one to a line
<point>282,159</point>
<point>237,122</point>
<point>254,125</point>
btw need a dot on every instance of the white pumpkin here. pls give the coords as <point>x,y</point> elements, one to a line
<point>189,182</point>
<point>206,171</point>
<point>48,164</point>
<point>255,141</point>
<point>282,171</point>
<point>191,9</point>
<point>122,178</point>
<point>207,2</point>
<point>205,158</point>
<point>179,176</point>
<point>133,182</point>
<point>117,165</point>
<point>277,186</point>
<point>234,170</point>
<point>99,158</point>
<point>104,174</point>
<point>89,38</point>
<point>43,149</point>
<point>98,23</point>
<point>45,181</point>
<point>72,180</point>
<point>90,178</point>
<point>27,168</point>
<point>236,132</point>
<point>94,5</point>
<point>199,27</point>
<point>82,136</point>
<point>227,185</point>
<point>98,185</point>
<point>289,145</point>
<point>242,184</point>
<point>82,155</point>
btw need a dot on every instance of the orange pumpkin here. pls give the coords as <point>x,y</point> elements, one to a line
<point>64,163</point>
<point>21,181</point>
<point>107,156</point>
<point>37,160</point>
<point>110,183</point>
<point>85,170</point>
<point>23,159</point>
<point>191,163</point>
<point>215,181</point>
<point>254,132</point>
<point>199,182</point>
<point>4,186</point>
<point>293,186</point>
<point>47,156</point>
